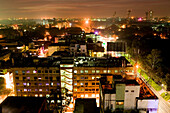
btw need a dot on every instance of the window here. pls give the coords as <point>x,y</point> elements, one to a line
<point>34,71</point>
<point>93,95</point>
<point>28,78</point>
<point>52,84</point>
<point>132,91</point>
<point>36,89</point>
<point>93,78</point>
<point>75,84</point>
<point>75,77</point>
<point>86,89</point>
<point>25,89</point>
<point>28,84</point>
<point>93,83</point>
<point>16,72</point>
<point>40,89</point>
<point>109,71</point>
<point>86,71</point>
<point>119,103</point>
<point>75,71</point>
<point>82,89</point>
<point>29,89</point>
<point>93,89</point>
<point>23,72</point>
<point>24,78</point>
<point>17,78</point>
<point>35,78</point>
<point>81,71</point>
<point>86,95</point>
<point>104,71</point>
<point>97,83</point>
<point>46,77</point>
<point>39,78</point>
<point>40,84</point>
<point>81,83</point>
<point>86,83</point>
<point>126,91</point>
<point>17,84</point>
<point>24,84</point>
<point>82,77</point>
<point>86,77</point>
<point>47,90</point>
<point>39,71</point>
<point>36,95</point>
<point>97,71</point>
<point>93,71</point>
<point>28,71</point>
<point>35,83</point>
<point>47,84</point>
<point>50,71</point>
<point>75,89</point>
<point>18,89</point>
<point>46,71</point>
<point>116,71</point>
<point>97,89</point>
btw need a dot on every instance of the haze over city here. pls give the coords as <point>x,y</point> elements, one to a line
<point>81,8</point>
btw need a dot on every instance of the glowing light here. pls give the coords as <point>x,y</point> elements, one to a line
<point>139,19</point>
<point>87,21</point>
<point>96,33</point>
<point>137,66</point>
<point>86,95</point>
<point>9,81</point>
<point>123,26</point>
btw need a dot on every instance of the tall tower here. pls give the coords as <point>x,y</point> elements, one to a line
<point>150,15</point>
<point>147,15</point>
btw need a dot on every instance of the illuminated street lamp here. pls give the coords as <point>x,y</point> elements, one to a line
<point>137,66</point>
<point>87,21</point>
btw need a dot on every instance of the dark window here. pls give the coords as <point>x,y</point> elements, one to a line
<point>86,83</point>
<point>93,89</point>
<point>24,78</point>
<point>46,71</point>
<point>46,77</point>
<point>97,89</point>
<point>58,78</point>
<point>82,77</point>
<point>75,77</point>
<point>126,91</point>
<point>93,83</point>
<point>16,77</point>
<point>86,89</point>
<point>17,84</point>
<point>97,83</point>
<point>35,83</point>
<point>132,91</point>
<point>35,78</point>
<point>50,71</point>
<point>39,71</point>
<point>86,77</point>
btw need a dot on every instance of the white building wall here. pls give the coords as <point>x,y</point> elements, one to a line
<point>109,101</point>
<point>148,104</point>
<point>131,92</point>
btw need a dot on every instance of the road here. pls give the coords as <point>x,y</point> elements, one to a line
<point>164,106</point>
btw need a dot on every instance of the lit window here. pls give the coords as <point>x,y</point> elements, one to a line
<point>41,95</point>
<point>16,72</point>
<point>40,84</point>
<point>17,84</point>
<point>52,84</point>
<point>75,84</point>
<point>97,71</point>
<point>25,89</point>
<point>81,83</point>
<point>24,84</point>
<point>28,71</point>
<point>86,71</point>
<point>82,77</point>
<point>82,96</point>
<point>40,89</point>
<point>81,71</point>
<point>28,84</point>
<point>47,84</point>
<point>39,78</point>
<point>93,78</point>
<point>47,90</point>
<point>52,101</point>
<point>18,89</point>
<point>116,71</point>
<point>58,101</point>
<point>75,89</point>
<point>23,72</point>
<point>29,89</point>
<point>47,95</point>
<point>28,78</point>
<point>119,103</point>
<point>34,71</point>
<point>36,95</point>
<point>109,71</point>
<point>36,89</point>
<point>86,95</point>
<point>93,71</point>
<point>93,95</point>
<point>104,71</point>
<point>75,71</point>
<point>97,95</point>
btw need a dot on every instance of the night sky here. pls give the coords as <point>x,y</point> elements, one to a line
<point>81,8</point>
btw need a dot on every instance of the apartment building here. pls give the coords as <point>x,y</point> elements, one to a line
<point>88,71</point>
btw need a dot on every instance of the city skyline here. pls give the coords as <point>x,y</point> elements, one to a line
<point>83,8</point>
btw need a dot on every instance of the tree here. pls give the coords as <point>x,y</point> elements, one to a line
<point>154,59</point>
